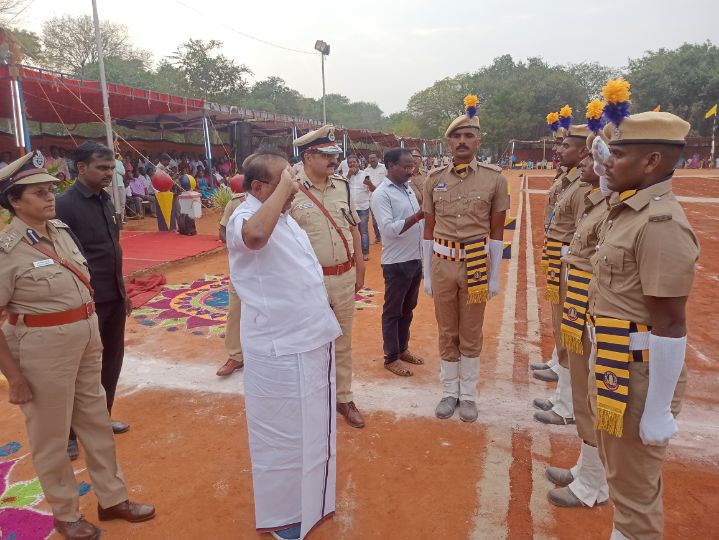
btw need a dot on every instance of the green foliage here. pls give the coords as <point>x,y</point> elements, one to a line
<point>69,43</point>
<point>5,218</point>
<point>221,197</point>
<point>214,77</point>
<point>683,81</point>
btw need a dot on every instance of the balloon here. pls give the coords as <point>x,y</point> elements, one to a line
<point>193,182</point>
<point>185,182</point>
<point>237,183</point>
<point>161,181</point>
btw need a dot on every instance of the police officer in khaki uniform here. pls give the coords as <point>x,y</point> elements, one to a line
<point>50,351</point>
<point>233,346</point>
<point>561,229</point>
<point>465,205</point>
<point>323,208</point>
<point>584,484</point>
<point>642,274</point>
<point>547,371</point>
<point>419,175</point>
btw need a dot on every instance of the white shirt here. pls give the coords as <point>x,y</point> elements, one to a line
<point>285,308</point>
<point>359,192</point>
<point>377,175</point>
<point>344,168</point>
<point>391,206</point>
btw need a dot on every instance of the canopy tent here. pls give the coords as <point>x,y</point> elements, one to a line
<point>49,96</point>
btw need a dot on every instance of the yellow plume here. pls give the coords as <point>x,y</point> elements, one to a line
<point>565,111</point>
<point>616,91</point>
<point>552,117</point>
<point>594,109</point>
<point>470,101</point>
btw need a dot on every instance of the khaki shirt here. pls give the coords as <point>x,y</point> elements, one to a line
<point>568,208</point>
<point>584,241</point>
<point>417,183</point>
<point>328,245</point>
<point>236,200</point>
<point>28,285</point>
<point>559,184</point>
<point>462,207</point>
<point>646,248</point>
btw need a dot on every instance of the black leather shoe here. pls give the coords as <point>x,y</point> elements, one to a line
<point>72,450</point>
<point>119,427</point>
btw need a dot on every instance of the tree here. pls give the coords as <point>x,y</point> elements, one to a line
<point>404,124</point>
<point>216,78</point>
<point>683,81</point>
<point>69,43</point>
<point>591,76</point>
<point>19,46</point>
<point>273,95</point>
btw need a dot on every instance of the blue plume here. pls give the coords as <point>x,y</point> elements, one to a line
<point>616,112</point>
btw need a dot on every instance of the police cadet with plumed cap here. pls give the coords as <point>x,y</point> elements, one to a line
<point>465,204</point>
<point>642,274</point>
<point>560,229</point>
<point>324,209</point>
<point>50,351</point>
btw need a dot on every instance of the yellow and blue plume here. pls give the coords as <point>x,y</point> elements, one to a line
<point>553,121</point>
<point>565,117</point>
<point>616,93</point>
<point>470,105</point>
<point>595,122</point>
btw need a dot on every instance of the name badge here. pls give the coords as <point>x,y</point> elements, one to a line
<point>441,187</point>
<point>305,205</point>
<point>44,262</point>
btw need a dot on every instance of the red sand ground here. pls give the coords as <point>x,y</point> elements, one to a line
<point>406,475</point>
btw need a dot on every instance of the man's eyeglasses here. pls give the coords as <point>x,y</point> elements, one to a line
<point>43,193</point>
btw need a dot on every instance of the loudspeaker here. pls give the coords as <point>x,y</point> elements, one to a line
<point>240,141</point>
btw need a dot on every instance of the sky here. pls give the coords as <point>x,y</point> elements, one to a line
<point>385,51</point>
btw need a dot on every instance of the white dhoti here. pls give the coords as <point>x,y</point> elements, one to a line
<point>291,421</point>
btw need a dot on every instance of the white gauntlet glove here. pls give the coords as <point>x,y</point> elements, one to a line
<point>600,153</point>
<point>427,251</point>
<point>666,357</point>
<point>496,247</point>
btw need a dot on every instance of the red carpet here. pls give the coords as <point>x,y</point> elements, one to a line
<point>142,250</point>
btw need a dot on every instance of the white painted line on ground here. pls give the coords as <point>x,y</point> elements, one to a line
<point>539,506</point>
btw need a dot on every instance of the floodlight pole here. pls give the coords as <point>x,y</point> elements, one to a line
<point>106,108</point>
<point>324,99</point>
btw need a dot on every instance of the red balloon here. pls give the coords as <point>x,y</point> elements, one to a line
<point>161,181</point>
<point>237,183</point>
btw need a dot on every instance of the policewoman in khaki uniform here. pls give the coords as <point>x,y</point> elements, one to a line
<point>560,230</point>
<point>323,208</point>
<point>643,271</point>
<point>465,205</point>
<point>584,484</point>
<point>50,351</point>
<point>233,346</point>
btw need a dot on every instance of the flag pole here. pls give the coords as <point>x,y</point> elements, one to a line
<point>714,136</point>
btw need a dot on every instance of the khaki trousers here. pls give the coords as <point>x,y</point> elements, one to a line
<point>341,292</point>
<point>62,366</point>
<point>579,374</point>
<point>634,471</point>
<point>232,329</point>
<point>459,323</point>
<point>557,309</point>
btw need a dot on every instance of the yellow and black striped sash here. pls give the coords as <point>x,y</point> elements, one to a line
<point>554,270</point>
<point>461,169</point>
<point>475,257</point>
<point>544,263</point>
<point>611,371</point>
<point>574,314</point>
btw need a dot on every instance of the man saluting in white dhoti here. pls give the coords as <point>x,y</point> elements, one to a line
<point>288,331</point>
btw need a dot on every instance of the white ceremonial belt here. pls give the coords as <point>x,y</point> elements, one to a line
<point>638,341</point>
<point>449,252</point>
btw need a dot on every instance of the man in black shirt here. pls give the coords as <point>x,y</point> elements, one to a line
<point>87,209</point>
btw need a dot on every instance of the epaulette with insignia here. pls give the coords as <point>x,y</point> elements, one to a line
<point>659,209</point>
<point>437,170</point>
<point>9,239</point>
<point>238,195</point>
<point>338,177</point>
<point>492,166</point>
<point>59,223</point>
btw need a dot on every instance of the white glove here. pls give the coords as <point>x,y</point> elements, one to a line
<point>666,359</point>
<point>496,247</point>
<point>427,251</point>
<point>600,154</point>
